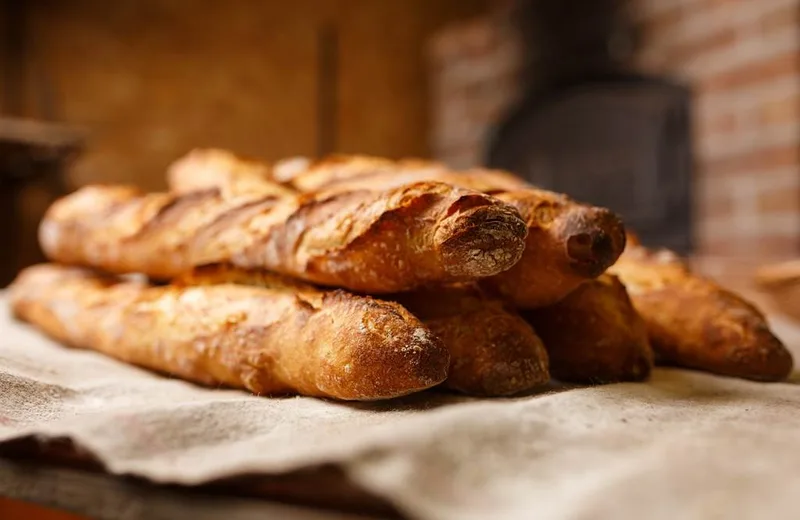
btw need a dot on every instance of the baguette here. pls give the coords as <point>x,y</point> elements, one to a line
<point>364,172</point>
<point>594,335</point>
<point>694,323</point>
<point>567,242</point>
<point>267,340</point>
<point>234,176</point>
<point>493,351</point>
<point>339,170</point>
<point>377,241</point>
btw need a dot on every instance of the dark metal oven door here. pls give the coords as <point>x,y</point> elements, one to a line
<point>623,145</point>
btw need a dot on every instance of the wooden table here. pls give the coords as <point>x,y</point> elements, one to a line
<point>38,492</point>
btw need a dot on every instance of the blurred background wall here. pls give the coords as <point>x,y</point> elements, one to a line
<point>740,61</point>
<point>152,78</point>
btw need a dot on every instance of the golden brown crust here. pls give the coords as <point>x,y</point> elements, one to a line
<point>209,168</point>
<point>567,243</point>
<point>594,335</point>
<point>356,172</point>
<point>268,340</point>
<point>692,322</point>
<point>342,171</point>
<point>493,351</point>
<point>370,240</point>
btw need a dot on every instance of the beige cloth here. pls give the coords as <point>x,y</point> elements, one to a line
<point>685,445</point>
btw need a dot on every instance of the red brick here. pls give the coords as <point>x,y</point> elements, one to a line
<point>726,123</point>
<point>764,246</point>
<point>716,41</point>
<point>785,64</point>
<point>754,161</point>
<point>718,226</point>
<point>779,199</point>
<point>781,110</point>
<point>715,246</point>
<point>713,206</point>
<point>774,245</point>
<point>776,19</point>
<point>713,197</point>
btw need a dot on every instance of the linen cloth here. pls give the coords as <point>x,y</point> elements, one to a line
<point>683,445</point>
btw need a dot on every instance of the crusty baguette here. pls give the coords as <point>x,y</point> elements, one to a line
<point>342,172</point>
<point>268,340</point>
<point>375,241</point>
<point>692,322</point>
<point>493,351</point>
<point>307,175</point>
<point>567,243</point>
<point>594,335</point>
<point>203,169</point>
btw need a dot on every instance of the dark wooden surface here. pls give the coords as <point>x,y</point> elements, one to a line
<point>323,488</point>
<point>96,495</point>
<point>13,509</point>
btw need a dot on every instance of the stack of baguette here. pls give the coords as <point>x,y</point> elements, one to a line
<point>360,278</point>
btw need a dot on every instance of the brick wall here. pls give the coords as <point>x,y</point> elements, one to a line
<point>474,80</point>
<point>741,59</point>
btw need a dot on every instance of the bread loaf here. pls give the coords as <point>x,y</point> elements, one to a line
<point>344,172</point>
<point>594,335</point>
<point>338,170</point>
<point>493,351</point>
<point>213,168</point>
<point>567,243</point>
<point>376,241</point>
<point>272,340</point>
<point>693,322</point>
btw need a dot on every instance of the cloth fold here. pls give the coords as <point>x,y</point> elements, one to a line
<point>684,444</point>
